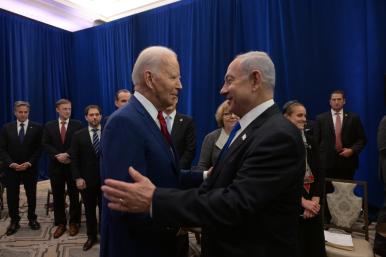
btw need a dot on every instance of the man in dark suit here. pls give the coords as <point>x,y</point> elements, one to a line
<point>380,235</point>
<point>250,204</point>
<point>340,137</point>
<point>85,150</point>
<point>20,148</point>
<point>132,136</point>
<point>57,138</point>
<point>122,97</point>
<point>183,131</point>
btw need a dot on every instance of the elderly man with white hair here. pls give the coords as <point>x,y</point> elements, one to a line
<point>136,135</point>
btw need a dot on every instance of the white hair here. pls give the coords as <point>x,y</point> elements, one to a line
<point>150,58</point>
<point>256,60</point>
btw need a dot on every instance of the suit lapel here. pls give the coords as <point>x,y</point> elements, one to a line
<point>14,132</point>
<point>331,124</point>
<point>241,139</point>
<point>346,117</point>
<point>57,130</point>
<point>156,132</point>
<point>176,125</point>
<point>29,131</point>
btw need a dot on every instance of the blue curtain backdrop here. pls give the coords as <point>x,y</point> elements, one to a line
<point>317,46</point>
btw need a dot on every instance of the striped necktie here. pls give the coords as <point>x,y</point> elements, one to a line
<point>95,141</point>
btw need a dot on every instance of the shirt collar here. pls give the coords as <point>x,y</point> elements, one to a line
<point>91,128</point>
<point>333,112</point>
<point>24,122</point>
<point>254,113</point>
<point>172,115</point>
<point>67,121</point>
<point>149,107</point>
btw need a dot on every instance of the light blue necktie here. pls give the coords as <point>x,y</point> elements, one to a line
<point>169,123</point>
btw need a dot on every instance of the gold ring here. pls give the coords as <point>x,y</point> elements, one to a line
<point>121,201</point>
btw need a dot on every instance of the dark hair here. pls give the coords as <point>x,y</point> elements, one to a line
<point>337,91</point>
<point>124,90</point>
<point>288,106</point>
<point>92,106</point>
<point>62,101</point>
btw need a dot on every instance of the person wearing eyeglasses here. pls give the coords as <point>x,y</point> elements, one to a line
<point>215,140</point>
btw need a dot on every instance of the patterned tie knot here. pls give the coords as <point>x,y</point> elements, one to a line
<point>22,124</point>
<point>95,130</point>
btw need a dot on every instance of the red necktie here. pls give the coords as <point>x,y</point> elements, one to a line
<point>164,128</point>
<point>338,132</point>
<point>63,131</point>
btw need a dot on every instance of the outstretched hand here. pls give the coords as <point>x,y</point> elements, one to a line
<point>129,197</point>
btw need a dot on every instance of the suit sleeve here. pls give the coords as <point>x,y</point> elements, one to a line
<point>205,161</point>
<point>75,153</point>
<point>361,140</point>
<point>190,143</point>
<point>381,136</point>
<point>47,142</point>
<point>381,141</point>
<point>317,131</point>
<point>318,173</point>
<point>272,167</point>
<point>78,126</point>
<point>5,157</point>
<point>37,145</point>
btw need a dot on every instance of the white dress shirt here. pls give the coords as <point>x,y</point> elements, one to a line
<point>333,113</point>
<point>149,107</point>
<point>19,127</point>
<point>252,115</point>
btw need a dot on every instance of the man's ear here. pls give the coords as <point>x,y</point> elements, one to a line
<point>256,79</point>
<point>148,77</point>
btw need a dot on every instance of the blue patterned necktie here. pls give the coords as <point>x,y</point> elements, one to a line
<point>21,133</point>
<point>95,141</point>
<point>169,123</point>
<point>230,138</point>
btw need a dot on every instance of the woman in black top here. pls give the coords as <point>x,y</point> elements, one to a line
<point>311,235</point>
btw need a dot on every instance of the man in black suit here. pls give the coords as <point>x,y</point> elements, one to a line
<point>380,235</point>
<point>122,96</point>
<point>340,137</point>
<point>85,150</point>
<point>57,138</point>
<point>20,149</point>
<point>250,204</point>
<point>183,132</point>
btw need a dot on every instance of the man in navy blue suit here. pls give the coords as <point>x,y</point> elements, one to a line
<point>133,137</point>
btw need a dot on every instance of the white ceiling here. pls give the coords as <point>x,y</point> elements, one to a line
<point>74,15</point>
